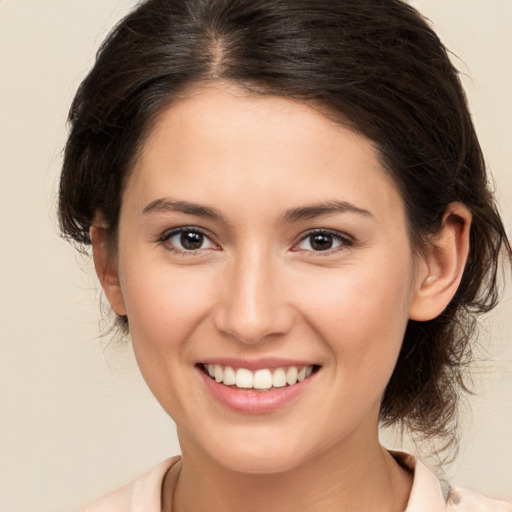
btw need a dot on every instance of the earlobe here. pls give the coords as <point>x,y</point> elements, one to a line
<point>440,270</point>
<point>106,268</point>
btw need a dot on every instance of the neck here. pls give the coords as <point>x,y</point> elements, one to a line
<point>342,478</point>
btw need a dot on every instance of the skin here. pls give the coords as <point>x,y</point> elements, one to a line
<point>257,288</point>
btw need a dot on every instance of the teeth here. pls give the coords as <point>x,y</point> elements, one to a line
<point>229,376</point>
<point>291,375</point>
<point>244,378</point>
<point>260,379</point>
<point>279,378</point>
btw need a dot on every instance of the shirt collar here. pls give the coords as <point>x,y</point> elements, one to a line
<point>426,494</point>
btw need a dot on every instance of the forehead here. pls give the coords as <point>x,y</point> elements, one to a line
<point>220,143</point>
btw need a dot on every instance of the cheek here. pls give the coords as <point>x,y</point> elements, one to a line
<point>165,308</point>
<point>361,312</point>
<point>164,305</point>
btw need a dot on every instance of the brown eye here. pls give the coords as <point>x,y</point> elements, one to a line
<point>186,240</point>
<point>191,240</point>
<point>319,241</point>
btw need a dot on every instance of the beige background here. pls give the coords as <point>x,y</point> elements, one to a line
<point>76,419</point>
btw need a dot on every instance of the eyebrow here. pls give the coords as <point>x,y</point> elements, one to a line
<point>292,215</point>
<point>324,208</point>
<point>168,205</point>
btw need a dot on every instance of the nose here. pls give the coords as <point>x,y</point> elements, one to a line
<point>252,302</point>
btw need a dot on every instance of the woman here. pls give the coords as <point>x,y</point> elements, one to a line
<point>289,213</point>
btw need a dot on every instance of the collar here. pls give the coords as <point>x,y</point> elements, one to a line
<point>426,493</point>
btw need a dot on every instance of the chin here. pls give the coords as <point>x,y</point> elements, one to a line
<point>259,461</point>
<point>264,453</point>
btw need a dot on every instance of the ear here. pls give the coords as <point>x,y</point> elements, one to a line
<point>440,270</point>
<point>105,263</point>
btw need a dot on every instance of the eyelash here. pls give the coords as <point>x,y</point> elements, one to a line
<point>343,240</point>
<point>168,235</point>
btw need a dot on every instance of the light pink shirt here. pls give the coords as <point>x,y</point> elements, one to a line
<point>145,493</point>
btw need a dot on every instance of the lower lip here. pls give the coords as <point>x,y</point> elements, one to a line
<point>254,402</point>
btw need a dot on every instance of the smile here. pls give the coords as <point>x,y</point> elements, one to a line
<point>263,379</point>
<point>268,386</point>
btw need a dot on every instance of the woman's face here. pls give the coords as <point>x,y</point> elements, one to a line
<point>263,242</point>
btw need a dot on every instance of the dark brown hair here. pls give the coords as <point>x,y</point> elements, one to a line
<point>376,65</point>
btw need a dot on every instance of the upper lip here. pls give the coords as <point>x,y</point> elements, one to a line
<point>257,364</point>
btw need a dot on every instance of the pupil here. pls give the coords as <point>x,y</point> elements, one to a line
<point>190,240</point>
<point>321,242</point>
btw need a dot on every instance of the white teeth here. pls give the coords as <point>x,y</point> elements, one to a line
<point>279,378</point>
<point>229,376</point>
<point>260,379</point>
<point>244,378</point>
<point>291,375</point>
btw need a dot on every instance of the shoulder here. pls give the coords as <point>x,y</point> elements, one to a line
<point>464,500</point>
<point>143,492</point>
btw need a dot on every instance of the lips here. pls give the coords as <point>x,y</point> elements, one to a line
<point>258,389</point>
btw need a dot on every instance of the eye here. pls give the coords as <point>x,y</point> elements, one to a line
<point>323,240</point>
<point>186,240</point>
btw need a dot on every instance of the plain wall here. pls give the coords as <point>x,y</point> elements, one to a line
<point>76,419</point>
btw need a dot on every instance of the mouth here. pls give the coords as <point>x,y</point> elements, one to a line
<point>261,380</point>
